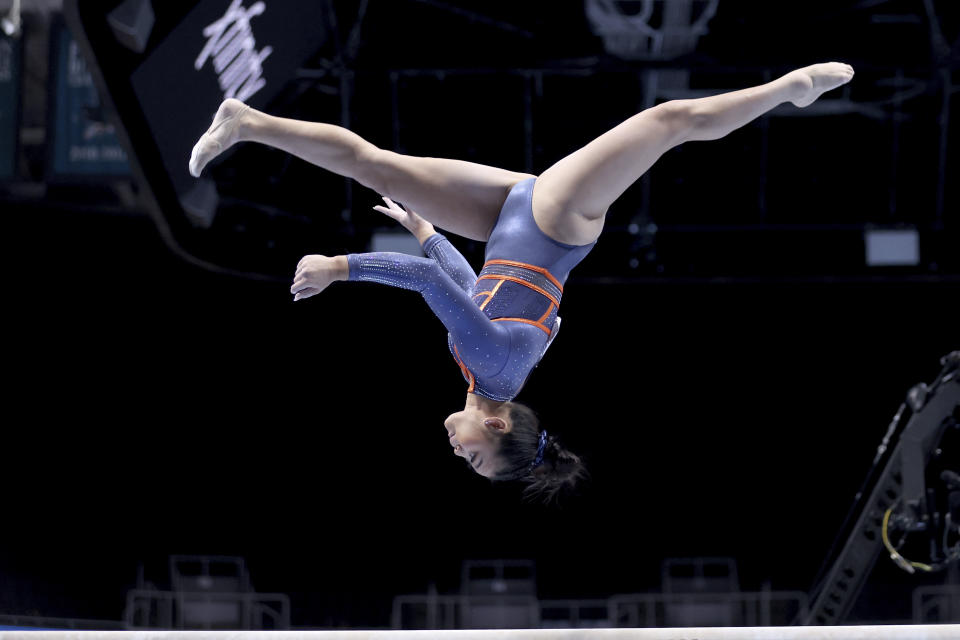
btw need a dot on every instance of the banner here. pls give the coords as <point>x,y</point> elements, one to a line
<point>83,141</point>
<point>9,105</point>
<point>221,49</point>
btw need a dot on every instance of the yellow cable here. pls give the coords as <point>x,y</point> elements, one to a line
<point>896,557</point>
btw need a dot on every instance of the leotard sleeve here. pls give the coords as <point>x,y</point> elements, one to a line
<point>483,345</point>
<point>451,261</point>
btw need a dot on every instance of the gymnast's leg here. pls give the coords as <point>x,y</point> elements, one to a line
<point>462,197</point>
<point>571,198</point>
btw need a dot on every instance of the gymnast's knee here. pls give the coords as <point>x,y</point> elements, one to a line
<point>682,118</point>
<point>372,169</point>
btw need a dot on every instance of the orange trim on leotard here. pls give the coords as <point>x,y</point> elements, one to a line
<point>544,316</point>
<point>463,368</point>
<point>524,283</point>
<point>492,293</point>
<point>524,265</point>
<point>538,325</point>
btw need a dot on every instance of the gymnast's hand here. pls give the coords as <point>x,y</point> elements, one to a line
<point>420,228</point>
<point>316,273</point>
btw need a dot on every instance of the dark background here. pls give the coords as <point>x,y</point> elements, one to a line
<point>724,409</point>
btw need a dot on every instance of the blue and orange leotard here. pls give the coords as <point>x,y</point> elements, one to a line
<point>499,323</point>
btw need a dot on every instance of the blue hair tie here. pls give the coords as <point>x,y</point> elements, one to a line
<point>541,447</point>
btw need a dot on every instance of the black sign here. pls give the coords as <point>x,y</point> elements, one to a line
<point>221,49</point>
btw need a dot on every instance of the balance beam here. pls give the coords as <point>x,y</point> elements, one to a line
<point>873,632</point>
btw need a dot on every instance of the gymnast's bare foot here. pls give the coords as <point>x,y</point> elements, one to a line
<point>222,134</point>
<point>809,82</point>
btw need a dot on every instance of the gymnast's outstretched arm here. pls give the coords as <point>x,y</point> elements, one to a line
<point>482,343</point>
<point>433,244</point>
<point>451,261</point>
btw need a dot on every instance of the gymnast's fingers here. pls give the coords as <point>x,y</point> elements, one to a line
<point>393,213</point>
<point>299,285</point>
<point>383,209</point>
<point>306,293</point>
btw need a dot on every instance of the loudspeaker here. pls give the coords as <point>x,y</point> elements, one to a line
<point>132,22</point>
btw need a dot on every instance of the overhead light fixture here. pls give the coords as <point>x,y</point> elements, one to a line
<point>395,242</point>
<point>131,22</point>
<point>892,247</point>
<point>10,23</point>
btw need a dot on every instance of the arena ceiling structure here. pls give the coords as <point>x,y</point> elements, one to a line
<point>734,348</point>
<point>856,187</point>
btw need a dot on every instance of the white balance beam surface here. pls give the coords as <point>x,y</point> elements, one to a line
<point>876,632</point>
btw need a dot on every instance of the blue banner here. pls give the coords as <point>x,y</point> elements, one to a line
<point>9,105</point>
<point>84,142</point>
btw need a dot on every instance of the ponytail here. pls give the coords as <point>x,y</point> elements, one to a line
<point>537,458</point>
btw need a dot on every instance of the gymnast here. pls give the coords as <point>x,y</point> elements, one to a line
<point>537,228</point>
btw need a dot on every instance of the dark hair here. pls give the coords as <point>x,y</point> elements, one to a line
<point>561,470</point>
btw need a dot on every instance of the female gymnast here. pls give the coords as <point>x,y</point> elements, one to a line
<point>537,228</point>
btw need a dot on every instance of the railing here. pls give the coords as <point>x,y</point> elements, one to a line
<point>935,604</point>
<point>45,622</point>
<point>433,611</point>
<point>748,608</point>
<point>574,614</point>
<point>152,609</point>
<point>762,608</point>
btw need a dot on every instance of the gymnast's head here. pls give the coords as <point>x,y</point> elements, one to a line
<point>506,443</point>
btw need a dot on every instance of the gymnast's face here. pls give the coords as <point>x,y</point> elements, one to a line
<point>475,437</point>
